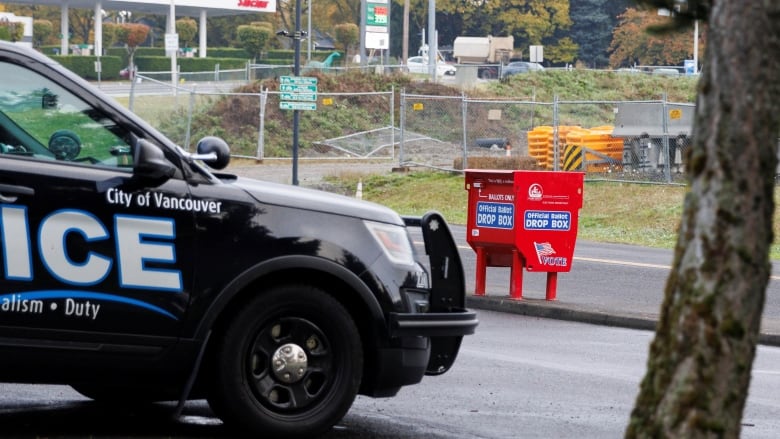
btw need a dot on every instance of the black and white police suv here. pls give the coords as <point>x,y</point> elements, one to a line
<point>134,274</point>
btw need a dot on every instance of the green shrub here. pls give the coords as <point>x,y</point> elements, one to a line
<point>163,63</point>
<point>84,66</point>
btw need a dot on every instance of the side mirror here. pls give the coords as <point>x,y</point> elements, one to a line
<point>213,151</point>
<point>150,162</point>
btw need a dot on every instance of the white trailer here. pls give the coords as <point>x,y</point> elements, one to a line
<point>484,51</point>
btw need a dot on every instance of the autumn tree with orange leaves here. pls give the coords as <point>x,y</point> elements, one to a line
<point>131,35</point>
<point>635,42</point>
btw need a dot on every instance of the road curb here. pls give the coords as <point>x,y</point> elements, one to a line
<point>574,313</point>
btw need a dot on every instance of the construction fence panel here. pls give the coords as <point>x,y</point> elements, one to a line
<point>172,109</point>
<point>623,140</point>
<point>643,140</point>
<point>638,140</point>
<point>339,125</point>
<point>583,138</point>
<point>432,131</point>
<point>355,125</point>
<point>496,128</point>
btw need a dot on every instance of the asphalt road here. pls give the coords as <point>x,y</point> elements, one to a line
<point>517,377</point>
<point>154,87</point>
<point>610,284</point>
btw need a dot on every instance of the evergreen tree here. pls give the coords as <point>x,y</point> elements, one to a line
<point>593,24</point>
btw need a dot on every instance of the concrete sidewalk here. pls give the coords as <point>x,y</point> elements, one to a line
<point>770,335</point>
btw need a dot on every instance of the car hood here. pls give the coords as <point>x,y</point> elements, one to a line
<point>315,200</point>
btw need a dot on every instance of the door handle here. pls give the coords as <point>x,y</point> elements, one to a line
<point>9,192</point>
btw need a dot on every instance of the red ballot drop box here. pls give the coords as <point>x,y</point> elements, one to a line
<point>522,219</point>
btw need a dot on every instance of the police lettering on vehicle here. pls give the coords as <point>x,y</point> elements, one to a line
<point>138,240</point>
<point>161,201</point>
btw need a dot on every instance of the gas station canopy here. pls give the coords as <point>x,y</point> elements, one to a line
<point>172,8</point>
<point>190,8</point>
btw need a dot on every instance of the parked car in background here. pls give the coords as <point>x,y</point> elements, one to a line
<point>517,67</point>
<point>126,73</point>
<point>419,64</point>
<point>666,72</point>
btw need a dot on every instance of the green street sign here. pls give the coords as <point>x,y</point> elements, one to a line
<point>309,97</point>
<point>298,88</point>
<point>298,93</point>
<point>297,80</point>
<point>286,105</point>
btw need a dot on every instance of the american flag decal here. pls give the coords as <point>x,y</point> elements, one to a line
<point>543,249</point>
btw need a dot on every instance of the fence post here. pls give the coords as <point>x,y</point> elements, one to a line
<point>133,78</point>
<point>261,131</point>
<point>190,111</point>
<point>464,112</point>
<point>665,151</point>
<point>392,120</point>
<point>403,127</point>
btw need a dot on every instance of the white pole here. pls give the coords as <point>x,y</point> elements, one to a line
<point>172,30</point>
<point>202,34</point>
<point>64,25</point>
<point>98,30</point>
<point>431,36</point>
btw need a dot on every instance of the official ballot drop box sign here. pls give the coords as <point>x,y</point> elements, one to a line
<point>522,219</point>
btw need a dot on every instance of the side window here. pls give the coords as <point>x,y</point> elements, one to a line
<point>41,120</point>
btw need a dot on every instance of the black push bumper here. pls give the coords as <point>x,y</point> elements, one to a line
<point>447,320</point>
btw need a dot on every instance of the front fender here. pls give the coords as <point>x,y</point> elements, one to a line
<point>271,266</point>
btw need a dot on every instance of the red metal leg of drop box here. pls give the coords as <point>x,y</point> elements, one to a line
<point>479,289</point>
<point>516,276</point>
<point>552,286</point>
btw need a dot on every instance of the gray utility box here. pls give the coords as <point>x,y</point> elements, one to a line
<point>646,126</point>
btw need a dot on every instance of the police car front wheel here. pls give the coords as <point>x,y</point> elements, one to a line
<point>289,364</point>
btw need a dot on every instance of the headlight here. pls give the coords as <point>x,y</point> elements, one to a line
<point>394,241</point>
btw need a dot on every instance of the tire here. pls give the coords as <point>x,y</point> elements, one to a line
<point>273,330</point>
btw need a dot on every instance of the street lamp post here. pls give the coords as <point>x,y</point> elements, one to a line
<point>696,46</point>
<point>296,37</point>
<point>296,72</point>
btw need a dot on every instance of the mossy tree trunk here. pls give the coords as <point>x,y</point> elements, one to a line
<point>700,361</point>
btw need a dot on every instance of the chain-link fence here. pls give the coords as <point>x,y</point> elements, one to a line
<point>354,125</point>
<point>348,125</point>
<point>640,140</point>
<point>431,130</point>
<point>643,140</point>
